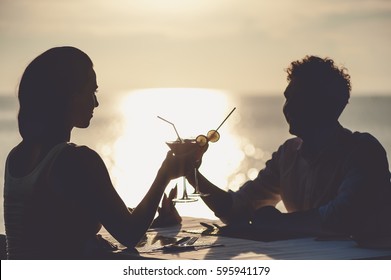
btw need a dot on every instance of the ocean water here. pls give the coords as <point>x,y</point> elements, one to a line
<point>131,140</point>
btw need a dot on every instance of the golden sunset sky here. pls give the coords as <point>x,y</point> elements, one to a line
<point>242,46</point>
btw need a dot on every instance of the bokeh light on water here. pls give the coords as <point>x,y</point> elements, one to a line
<point>140,147</point>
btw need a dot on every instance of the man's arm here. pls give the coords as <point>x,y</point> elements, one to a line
<point>238,206</point>
<point>359,207</point>
<point>218,200</point>
<point>306,223</point>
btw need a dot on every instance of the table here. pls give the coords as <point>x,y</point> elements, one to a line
<point>242,249</point>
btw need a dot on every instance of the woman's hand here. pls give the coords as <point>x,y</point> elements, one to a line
<point>168,215</point>
<point>175,166</point>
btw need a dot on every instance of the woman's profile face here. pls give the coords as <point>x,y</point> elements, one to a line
<point>84,102</point>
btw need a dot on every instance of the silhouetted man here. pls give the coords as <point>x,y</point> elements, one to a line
<point>329,178</point>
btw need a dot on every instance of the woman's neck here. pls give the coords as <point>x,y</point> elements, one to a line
<point>49,139</point>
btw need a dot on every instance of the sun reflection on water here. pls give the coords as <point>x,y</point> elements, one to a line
<point>140,149</point>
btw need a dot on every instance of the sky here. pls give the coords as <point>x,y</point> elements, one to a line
<point>242,46</point>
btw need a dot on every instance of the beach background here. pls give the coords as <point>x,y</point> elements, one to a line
<point>126,132</point>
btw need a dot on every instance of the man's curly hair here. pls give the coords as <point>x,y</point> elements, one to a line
<point>323,79</point>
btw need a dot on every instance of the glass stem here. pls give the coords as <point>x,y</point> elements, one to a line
<point>197,190</point>
<point>185,196</point>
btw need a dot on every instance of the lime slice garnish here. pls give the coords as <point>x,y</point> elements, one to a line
<point>201,140</point>
<point>213,136</point>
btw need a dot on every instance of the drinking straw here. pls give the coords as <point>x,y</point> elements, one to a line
<point>173,126</point>
<point>226,118</point>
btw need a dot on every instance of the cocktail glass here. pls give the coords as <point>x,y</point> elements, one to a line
<point>180,147</point>
<point>183,146</point>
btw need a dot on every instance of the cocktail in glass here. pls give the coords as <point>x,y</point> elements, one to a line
<point>184,146</point>
<point>181,147</point>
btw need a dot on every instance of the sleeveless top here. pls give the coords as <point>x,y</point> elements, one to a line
<point>39,218</point>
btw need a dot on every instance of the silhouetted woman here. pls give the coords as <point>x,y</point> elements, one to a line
<point>57,195</point>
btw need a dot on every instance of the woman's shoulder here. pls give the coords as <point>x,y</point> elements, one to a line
<point>78,166</point>
<point>79,152</point>
<point>79,158</point>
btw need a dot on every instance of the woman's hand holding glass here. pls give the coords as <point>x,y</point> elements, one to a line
<point>185,158</point>
<point>178,165</point>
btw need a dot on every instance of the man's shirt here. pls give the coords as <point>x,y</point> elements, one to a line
<point>348,182</point>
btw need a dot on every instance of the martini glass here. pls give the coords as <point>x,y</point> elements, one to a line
<point>180,147</point>
<point>183,146</point>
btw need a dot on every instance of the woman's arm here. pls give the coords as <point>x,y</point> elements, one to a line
<point>85,172</point>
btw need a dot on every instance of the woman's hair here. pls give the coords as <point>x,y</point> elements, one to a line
<point>327,83</point>
<point>45,89</point>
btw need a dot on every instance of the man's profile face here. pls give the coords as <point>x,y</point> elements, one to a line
<point>300,108</point>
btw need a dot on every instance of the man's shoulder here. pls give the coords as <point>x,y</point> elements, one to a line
<point>363,145</point>
<point>289,148</point>
<point>365,139</point>
<point>293,143</point>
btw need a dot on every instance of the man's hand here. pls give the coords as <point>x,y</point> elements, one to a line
<point>179,165</point>
<point>267,215</point>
